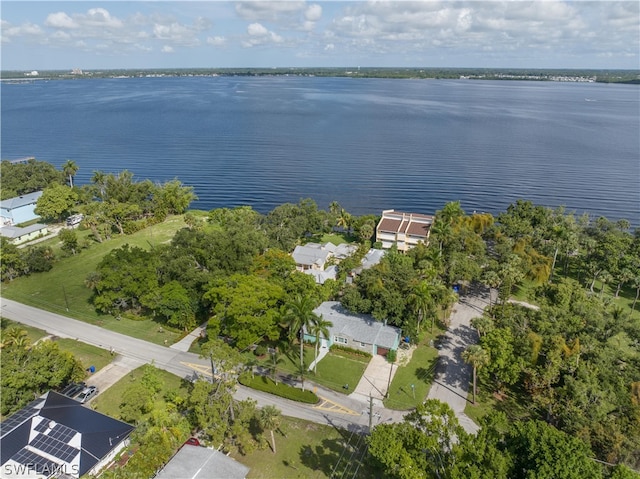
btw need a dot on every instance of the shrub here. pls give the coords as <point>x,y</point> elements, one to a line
<point>351,351</point>
<point>260,350</point>
<point>265,384</point>
<point>392,355</point>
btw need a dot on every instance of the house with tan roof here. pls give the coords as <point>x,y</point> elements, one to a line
<point>405,230</point>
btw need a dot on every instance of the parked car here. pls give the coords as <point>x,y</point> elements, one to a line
<point>86,395</point>
<point>73,389</point>
<point>192,441</point>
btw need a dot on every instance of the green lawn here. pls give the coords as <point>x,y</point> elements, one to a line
<point>108,401</point>
<point>87,354</point>
<point>419,373</point>
<point>62,290</point>
<point>336,370</point>
<point>309,450</point>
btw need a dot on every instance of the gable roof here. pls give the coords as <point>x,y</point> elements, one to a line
<point>360,327</point>
<point>56,433</point>
<point>198,462</point>
<point>12,232</point>
<point>19,201</point>
<point>310,254</point>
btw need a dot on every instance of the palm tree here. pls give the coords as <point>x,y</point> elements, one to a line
<point>422,300</point>
<point>99,178</point>
<point>334,208</point>
<point>300,316</point>
<point>270,419</point>
<point>477,357</point>
<point>276,358</point>
<point>319,327</point>
<point>17,337</point>
<point>344,220</point>
<point>70,168</point>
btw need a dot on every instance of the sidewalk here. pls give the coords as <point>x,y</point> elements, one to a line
<point>185,343</point>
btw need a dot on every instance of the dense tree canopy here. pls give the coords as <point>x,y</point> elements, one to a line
<point>27,177</point>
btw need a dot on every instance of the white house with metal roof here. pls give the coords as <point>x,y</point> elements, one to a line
<point>19,209</point>
<point>17,235</point>
<point>360,332</point>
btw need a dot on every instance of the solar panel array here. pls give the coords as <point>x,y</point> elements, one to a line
<point>55,447</point>
<point>43,426</point>
<point>42,465</point>
<point>16,419</point>
<point>62,433</point>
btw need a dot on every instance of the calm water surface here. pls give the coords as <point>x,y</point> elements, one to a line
<point>370,144</point>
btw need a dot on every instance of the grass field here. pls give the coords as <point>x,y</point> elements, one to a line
<point>108,401</point>
<point>62,290</point>
<point>309,450</point>
<point>336,370</point>
<point>419,372</point>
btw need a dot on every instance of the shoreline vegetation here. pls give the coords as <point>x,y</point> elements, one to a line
<point>509,74</point>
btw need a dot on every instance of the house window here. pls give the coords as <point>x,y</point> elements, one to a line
<point>338,339</point>
<point>362,345</point>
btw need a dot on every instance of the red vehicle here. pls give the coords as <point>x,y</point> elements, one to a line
<point>192,441</point>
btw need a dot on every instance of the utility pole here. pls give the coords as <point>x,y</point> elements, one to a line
<point>370,411</point>
<point>66,302</point>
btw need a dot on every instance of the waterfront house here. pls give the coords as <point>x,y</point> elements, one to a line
<point>356,331</point>
<point>312,259</point>
<point>20,209</point>
<point>56,436</point>
<point>404,230</point>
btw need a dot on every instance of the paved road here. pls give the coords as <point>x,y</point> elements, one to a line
<point>451,384</point>
<point>335,409</point>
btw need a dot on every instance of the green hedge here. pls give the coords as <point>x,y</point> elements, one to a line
<point>352,351</point>
<point>263,383</point>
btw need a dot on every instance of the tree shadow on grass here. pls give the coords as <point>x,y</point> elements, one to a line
<point>337,457</point>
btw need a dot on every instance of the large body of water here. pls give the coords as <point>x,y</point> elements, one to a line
<point>370,144</point>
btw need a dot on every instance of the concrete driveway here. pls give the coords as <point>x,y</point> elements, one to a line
<point>375,380</point>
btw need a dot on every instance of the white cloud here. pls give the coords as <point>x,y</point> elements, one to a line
<point>216,41</point>
<point>257,30</point>
<point>313,13</point>
<point>260,35</point>
<point>167,49</point>
<point>60,20</point>
<point>267,10</point>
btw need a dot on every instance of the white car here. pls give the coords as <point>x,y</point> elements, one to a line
<point>86,395</point>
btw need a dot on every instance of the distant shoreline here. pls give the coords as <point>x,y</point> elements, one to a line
<point>505,74</point>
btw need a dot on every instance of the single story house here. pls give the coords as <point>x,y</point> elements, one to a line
<point>19,209</point>
<point>405,230</point>
<point>312,258</point>
<point>198,462</point>
<point>360,332</point>
<point>56,436</point>
<point>17,235</point>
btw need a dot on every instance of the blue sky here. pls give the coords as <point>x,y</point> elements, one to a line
<point>42,35</point>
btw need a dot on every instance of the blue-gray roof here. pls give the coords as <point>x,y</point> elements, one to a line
<point>12,232</point>
<point>198,462</point>
<point>361,328</point>
<point>18,201</point>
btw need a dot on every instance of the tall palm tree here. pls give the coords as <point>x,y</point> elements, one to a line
<point>477,357</point>
<point>300,316</point>
<point>319,327</point>
<point>99,178</point>
<point>344,220</point>
<point>422,300</point>
<point>70,168</point>
<point>270,419</point>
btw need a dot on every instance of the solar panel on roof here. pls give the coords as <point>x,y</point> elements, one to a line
<point>62,433</point>
<point>16,419</point>
<point>56,448</point>
<point>43,426</point>
<point>42,465</point>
